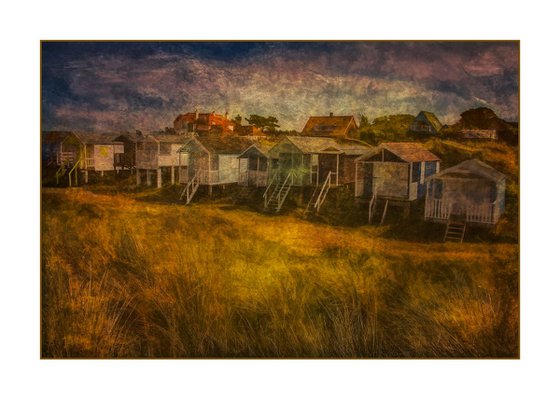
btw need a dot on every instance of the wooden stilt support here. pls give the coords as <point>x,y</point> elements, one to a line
<point>384,212</point>
<point>158,178</point>
<point>148,177</point>
<point>138,178</point>
<point>172,175</point>
<point>86,176</point>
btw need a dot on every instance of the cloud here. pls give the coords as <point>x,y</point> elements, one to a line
<point>109,92</point>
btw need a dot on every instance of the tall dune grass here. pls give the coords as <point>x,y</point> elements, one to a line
<point>126,278</point>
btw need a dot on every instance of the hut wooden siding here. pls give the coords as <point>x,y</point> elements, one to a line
<point>97,151</point>
<point>311,159</point>
<point>125,151</point>
<point>155,151</point>
<point>471,190</point>
<point>214,159</point>
<point>426,123</point>
<point>484,134</point>
<point>395,171</point>
<point>253,166</point>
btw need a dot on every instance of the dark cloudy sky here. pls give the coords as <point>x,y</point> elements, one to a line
<point>126,86</point>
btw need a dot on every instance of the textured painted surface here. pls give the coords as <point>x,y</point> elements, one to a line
<point>96,86</point>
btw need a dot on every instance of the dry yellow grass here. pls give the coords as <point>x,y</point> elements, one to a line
<point>122,277</point>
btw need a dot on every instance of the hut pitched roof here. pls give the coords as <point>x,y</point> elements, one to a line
<point>223,144</point>
<point>332,125</point>
<point>168,138</point>
<point>96,138</point>
<point>473,167</point>
<point>311,144</point>
<point>55,136</point>
<point>410,151</point>
<point>432,119</point>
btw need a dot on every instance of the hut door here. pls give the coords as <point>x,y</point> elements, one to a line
<point>368,179</point>
<point>243,172</point>
<point>327,163</point>
<point>314,169</point>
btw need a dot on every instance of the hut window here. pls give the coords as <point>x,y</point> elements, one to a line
<point>314,159</point>
<point>275,163</point>
<point>262,164</point>
<point>165,148</point>
<point>253,163</point>
<point>416,172</point>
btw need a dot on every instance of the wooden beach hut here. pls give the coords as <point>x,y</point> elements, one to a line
<point>471,192</point>
<point>253,165</point>
<point>74,152</point>
<point>158,152</point>
<point>394,173</point>
<point>210,161</point>
<point>306,161</point>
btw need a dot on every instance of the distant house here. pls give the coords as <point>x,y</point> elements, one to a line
<point>331,125</point>
<point>303,161</point>
<point>471,192</point>
<point>253,165</point>
<point>210,161</point>
<point>203,123</point>
<point>488,134</point>
<point>426,123</point>
<point>157,152</point>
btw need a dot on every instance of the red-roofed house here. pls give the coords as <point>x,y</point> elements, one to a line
<point>203,123</point>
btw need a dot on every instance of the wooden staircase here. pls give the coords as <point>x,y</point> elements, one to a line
<point>190,188</point>
<point>275,200</point>
<point>319,195</point>
<point>68,168</point>
<point>455,231</point>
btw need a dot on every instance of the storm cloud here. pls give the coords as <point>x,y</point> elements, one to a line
<point>145,85</point>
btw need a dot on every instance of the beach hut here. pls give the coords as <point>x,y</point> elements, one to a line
<point>306,161</point>
<point>210,161</point>
<point>253,165</point>
<point>158,152</point>
<point>394,173</point>
<point>471,192</point>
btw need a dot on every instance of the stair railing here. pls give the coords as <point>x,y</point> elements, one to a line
<point>75,170</point>
<point>272,181</point>
<point>191,187</point>
<point>282,197</point>
<point>371,206</point>
<point>323,193</point>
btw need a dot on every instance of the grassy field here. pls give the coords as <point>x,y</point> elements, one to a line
<point>132,275</point>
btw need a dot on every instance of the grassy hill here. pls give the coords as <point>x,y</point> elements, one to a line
<point>387,128</point>
<point>131,275</point>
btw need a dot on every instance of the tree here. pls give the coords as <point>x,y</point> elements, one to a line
<point>267,124</point>
<point>364,121</point>
<point>238,119</point>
